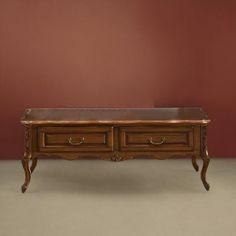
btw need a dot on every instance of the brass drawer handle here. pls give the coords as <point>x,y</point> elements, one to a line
<point>163,139</point>
<point>75,143</point>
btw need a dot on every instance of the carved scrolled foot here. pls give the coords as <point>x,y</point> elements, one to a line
<point>194,163</point>
<point>33,165</point>
<point>25,164</point>
<point>206,161</point>
<point>116,157</point>
<point>205,157</point>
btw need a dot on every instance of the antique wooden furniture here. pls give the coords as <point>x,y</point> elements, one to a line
<point>115,134</point>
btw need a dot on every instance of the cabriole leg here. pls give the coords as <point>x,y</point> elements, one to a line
<point>27,157</point>
<point>25,164</point>
<point>34,164</point>
<point>206,161</point>
<point>194,163</point>
<point>205,157</point>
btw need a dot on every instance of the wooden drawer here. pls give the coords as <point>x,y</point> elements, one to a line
<point>75,139</point>
<point>154,138</point>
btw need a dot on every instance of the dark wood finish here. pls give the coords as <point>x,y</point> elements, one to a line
<point>72,139</point>
<point>194,163</point>
<point>27,156</point>
<point>34,164</point>
<point>115,134</point>
<point>157,138</point>
<point>114,115</point>
<point>205,157</point>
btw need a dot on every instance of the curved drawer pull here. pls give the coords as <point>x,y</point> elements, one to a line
<point>163,139</point>
<point>75,143</point>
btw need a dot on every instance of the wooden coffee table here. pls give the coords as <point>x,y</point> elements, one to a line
<point>115,134</point>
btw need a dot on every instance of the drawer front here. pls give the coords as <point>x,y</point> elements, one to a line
<point>75,139</point>
<point>156,138</point>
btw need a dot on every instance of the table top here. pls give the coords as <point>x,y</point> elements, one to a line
<point>114,115</point>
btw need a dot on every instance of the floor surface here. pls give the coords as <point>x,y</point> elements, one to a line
<point>129,198</point>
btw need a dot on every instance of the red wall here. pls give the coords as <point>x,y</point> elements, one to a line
<point>126,53</point>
